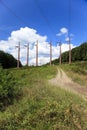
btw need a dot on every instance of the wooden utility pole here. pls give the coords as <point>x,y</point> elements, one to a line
<point>69,51</point>
<point>37,54</point>
<point>27,53</point>
<point>60,57</point>
<point>69,10</point>
<point>50,54</point>
<point>60,53</point>
<point>18,61</point>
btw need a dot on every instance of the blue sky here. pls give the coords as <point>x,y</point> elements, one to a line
<point>51,20</point>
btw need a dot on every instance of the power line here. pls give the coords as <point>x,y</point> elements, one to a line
<point>45,18</point>
<point>69,15</point>
<point>4,31</point>
<point>12,12</point>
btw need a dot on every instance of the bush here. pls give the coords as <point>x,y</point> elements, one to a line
<point>9,91</point>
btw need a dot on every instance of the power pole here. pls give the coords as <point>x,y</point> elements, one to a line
<point>37,54</point>
<point>27,53</point>
<point>60,53</point>
<point>60,57</point>
<point>69,51</point>
<point>69,10</point>
<point>18,61</point>
<point>50,54</point>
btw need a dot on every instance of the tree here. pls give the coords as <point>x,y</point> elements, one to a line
<point>7,60</point>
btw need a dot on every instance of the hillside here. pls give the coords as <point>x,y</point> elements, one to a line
<point>77,54</point>
<point>38,105</point>
<point>7,60</point>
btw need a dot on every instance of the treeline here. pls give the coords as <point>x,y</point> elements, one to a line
<point>7,60</point>
<point>77,54</point>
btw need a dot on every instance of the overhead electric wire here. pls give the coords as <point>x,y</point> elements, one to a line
<point>12,12</point>
<point>1,30</point>
<point>44,17</point>
<point>69,16</point>
<point>22,21</point>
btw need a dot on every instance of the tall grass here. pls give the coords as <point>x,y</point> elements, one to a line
<point>77,71</point>
<point>43,107</point>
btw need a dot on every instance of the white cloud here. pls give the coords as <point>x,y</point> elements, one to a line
<point>28,35</point>
<point>67,39</point>
<point>65,47</point>
<point>62,31</point>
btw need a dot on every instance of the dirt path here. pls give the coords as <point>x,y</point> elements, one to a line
<point>63,81</point>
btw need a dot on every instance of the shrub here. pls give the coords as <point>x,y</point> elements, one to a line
<point>9,90</point>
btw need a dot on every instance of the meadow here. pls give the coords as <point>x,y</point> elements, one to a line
<point>38,105</point>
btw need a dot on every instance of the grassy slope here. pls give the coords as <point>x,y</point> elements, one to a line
<point>77,71</point>
<point>43,107</point>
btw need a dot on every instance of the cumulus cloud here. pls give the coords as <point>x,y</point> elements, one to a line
<point>62,31</point>
<point>26,35</point>
<point>29,35</point>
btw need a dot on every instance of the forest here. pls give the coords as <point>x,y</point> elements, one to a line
<point>7,60</point>
<point>77,54</point>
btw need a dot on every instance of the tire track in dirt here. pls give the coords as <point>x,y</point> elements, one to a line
<point>65,82</point>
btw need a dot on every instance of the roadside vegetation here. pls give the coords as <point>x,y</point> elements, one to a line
<point>77,71</point>
<point>36,105</point>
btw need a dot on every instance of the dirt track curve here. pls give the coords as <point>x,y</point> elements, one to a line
<point>63,81</point>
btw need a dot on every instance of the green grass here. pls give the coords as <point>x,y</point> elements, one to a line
<point>77,71</point>
<point>42,106</point>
